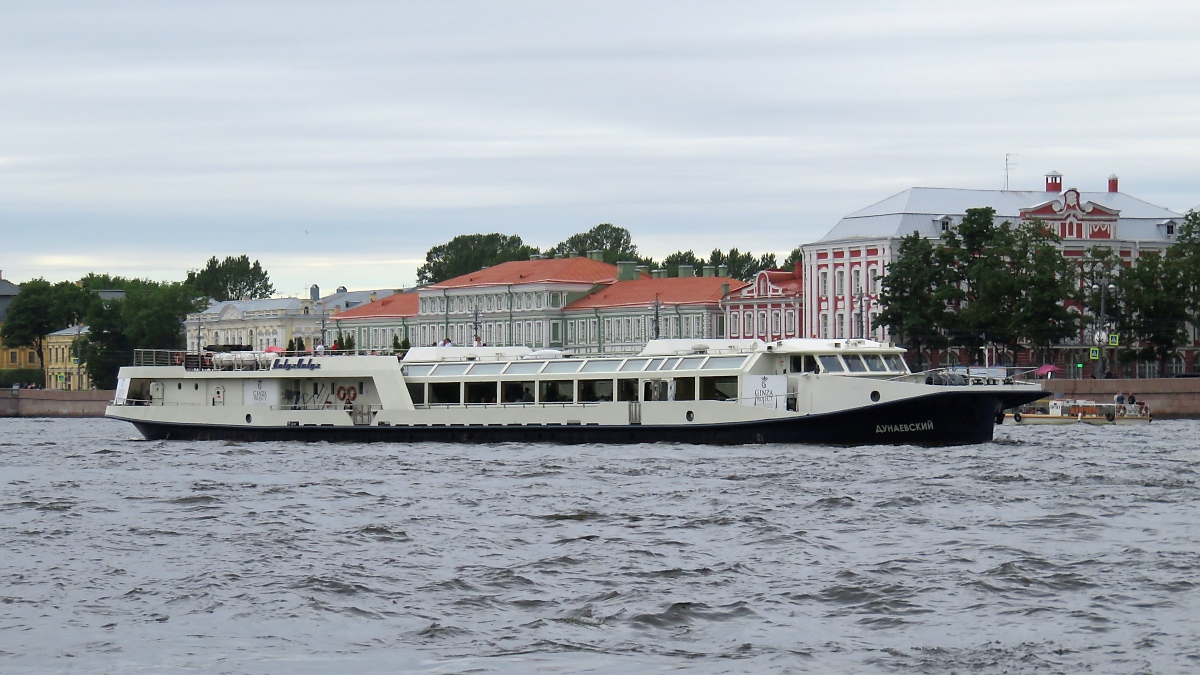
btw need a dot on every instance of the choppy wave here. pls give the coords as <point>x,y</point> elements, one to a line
<point>1056,549</point>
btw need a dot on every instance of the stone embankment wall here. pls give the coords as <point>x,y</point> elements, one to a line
<point>53,403</point>
<point>1168,397</point>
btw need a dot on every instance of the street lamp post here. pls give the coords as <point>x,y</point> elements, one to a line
<point>1101,335</point>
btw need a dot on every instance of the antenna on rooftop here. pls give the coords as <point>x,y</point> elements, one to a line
<point>1008,165</point>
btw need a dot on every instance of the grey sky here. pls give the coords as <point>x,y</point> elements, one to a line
<point>140,138</point>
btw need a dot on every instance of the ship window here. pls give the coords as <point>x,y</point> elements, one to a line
<point>874,363</point>
<point>556,391</point>
<point>445,392</point>
<point>685,389</point>
<point>524,368</point>
<point>718,388</point>
<point>451,369</point>
<point>896,363</point>
<point>600,366</point>
<point>416,371</point>
<point>830,363</point>
<point>670,364</point>
<point>562,367</point>
<point>690,363</point>
<point>595,390</point>
<point>854,363</point>
<point>417,393</point>
<point>480,392</point>
<point>516,392</point>
<point>627,390</point>
<point>634,364</point>
<point>655,363</point>
<point>717,362</point>
<point>487,368</point>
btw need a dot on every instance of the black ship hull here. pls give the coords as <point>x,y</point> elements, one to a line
<point>951,417</point>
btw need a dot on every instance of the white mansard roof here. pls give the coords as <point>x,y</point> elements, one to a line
<point>919,208</point>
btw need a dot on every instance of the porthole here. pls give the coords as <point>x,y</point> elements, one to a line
<point>179,385</point>
<point>248,418</point>
<point>197,386</point>
<point>875,396</point>
<point>690,416</point>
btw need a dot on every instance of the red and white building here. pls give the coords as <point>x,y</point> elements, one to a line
<point>771,307</point>
<point>843,270</point>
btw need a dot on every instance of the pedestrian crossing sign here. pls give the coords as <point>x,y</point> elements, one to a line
<point>1114,339</point>
<point>1095,354</point>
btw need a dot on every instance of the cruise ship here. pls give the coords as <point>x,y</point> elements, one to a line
<point>836,392</point>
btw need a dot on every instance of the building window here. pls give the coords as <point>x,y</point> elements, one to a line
<point>857,281</point>
<point>824,290</point>
<point>873,279</point>
<point>733,328</point>
<point>775,328</point>
<point>840,286</point>
<point>762,325</point>
<point>824,326</point>
<point>839,324</point>
<point>790,322</point>
<point>1170,229</point>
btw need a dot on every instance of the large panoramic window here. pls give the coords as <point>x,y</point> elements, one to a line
<point>718,388</point>
<point>556,391</point>
<point>830,363</point>
<point>444,392</point>
<point>595,390</point>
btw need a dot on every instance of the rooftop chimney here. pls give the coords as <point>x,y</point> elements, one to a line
<point>687,271</point>
<point>1054,182</point>
<point>722,270</point>
<point>373,298</point>
<point>1112,183</point>
<point>627,270</point>
<point>710,270</point>
<point>724,289</point>
<point>341,289</point>
<point>643,269</point>
<point>660,274</point>
<point>314,293</point>
<point>535,256</point>
<point>596,254</point>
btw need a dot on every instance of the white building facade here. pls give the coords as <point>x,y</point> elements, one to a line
<point>256,324</point>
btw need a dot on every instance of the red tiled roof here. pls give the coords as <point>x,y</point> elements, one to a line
<point>670,291</point>
<point>788,281</point>
<point>396,305</point>
<point>568,270</point>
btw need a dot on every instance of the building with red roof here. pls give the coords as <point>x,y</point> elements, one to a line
<point>381,324</point>
<point>769,308</point>
<point>581,304</point>
<point>620,318</point>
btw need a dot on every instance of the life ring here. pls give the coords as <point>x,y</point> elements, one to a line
<point>177,357</point>
<point>351,394</point>
<point>341,393</point>
<point>1109,416</point>
<point>1017,417</point>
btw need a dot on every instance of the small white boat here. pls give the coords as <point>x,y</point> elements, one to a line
<point>1080,411</point>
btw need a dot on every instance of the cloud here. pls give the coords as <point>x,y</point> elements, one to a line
<point>179,132</point>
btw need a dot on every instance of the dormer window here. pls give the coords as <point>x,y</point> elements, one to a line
<point>1170,229</point>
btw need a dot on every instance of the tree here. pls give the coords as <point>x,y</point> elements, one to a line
<point>396,345</point>
<point>39,309</point>
<point>1185,253</point>
<point>615,242</point>
<point>672,262</point>
<point>913,296</point>
<point>742,265</point>
<point>796,256</point>
<point>1047,282</point>
<point>1154,293</point>
<point>150,316</point>
<point>231,279</point>
<point>470,252</point>
<point>291,346</point>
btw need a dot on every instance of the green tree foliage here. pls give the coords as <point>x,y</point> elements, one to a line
<point>615,242</point>
<point>1185,253</point>
<point>470,252</point>
<point>796,256</point>
<point>984,284</point>
<point>672,262</point>
<point>39,309</point>
<point>742,265</point>
<point>1046,281</point>
<point>1155,312</point>
<point>231,279</point>
<point>913,296</point>
<point>150,316</point>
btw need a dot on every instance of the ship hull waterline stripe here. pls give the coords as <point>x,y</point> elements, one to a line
<point>966,417</point>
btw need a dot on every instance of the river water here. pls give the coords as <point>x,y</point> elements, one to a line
<point>1053,549</point>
